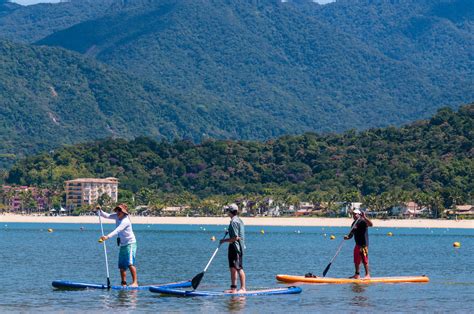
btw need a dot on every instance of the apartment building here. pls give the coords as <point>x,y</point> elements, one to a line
<point>86,191</point>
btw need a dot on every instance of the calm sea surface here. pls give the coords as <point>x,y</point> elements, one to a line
<point>31,258</point>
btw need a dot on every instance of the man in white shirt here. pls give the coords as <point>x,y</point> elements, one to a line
<point>126,240</point>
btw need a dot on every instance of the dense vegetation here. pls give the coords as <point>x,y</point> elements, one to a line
<point>350,64</point>
<point>50,97</point>
<point>226,69</point>
<point>28,24</point>
<point>429,161</point>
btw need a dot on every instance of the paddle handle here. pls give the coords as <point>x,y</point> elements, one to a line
<point>215,252</point>
<point>105,250</point>
<point>337,252</point>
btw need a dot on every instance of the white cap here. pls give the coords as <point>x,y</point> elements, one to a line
<point>232,207</point>
<point>356,211</point>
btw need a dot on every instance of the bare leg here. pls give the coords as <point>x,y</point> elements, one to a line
<point>367,273</point>
<point>133,271</point>
<point>233,280</point>
<point>357,271</point>
<point>242,280</point>
<point>123,275</point>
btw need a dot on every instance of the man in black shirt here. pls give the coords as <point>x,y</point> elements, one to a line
<point>360,233</point>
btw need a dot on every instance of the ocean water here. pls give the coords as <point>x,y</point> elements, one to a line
<point>31,258</point>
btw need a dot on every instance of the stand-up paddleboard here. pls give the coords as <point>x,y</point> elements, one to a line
<point>198,293</point>
<point>63,284</point>
<point>303,279</point>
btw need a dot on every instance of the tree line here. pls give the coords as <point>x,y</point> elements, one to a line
<point>428,161</point>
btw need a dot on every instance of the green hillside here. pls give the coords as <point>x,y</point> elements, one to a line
<point>50,97</point>
<point>432,158</point>
<point>350,64</point>
<point>28,24</point>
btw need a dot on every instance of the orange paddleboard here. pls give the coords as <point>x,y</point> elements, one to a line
<point>303,279</point>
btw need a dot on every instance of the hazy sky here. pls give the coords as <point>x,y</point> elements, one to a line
<point>26,2</point>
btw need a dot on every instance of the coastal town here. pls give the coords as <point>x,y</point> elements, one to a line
<point>80,196</point>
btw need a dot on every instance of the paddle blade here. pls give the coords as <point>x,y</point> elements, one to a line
<point>326,269</point>
<point>197,280</point>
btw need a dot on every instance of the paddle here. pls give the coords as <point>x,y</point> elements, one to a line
<point>105,250</point>
<point>197,279</point>
<point>338,250</point>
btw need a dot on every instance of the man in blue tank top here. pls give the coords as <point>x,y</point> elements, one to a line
<point>235,254</point>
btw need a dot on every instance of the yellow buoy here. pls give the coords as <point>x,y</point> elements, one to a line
<point>262,231</point>
<point>50,230</point>
<point>389,234</point>
<point>213,238</point>
<point>332,237</point>
<point>457,244</point>
<point>100,241</point>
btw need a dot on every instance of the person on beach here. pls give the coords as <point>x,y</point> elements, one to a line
<point>235,254</point>
<point>360,233</point>
<point>126,240</point>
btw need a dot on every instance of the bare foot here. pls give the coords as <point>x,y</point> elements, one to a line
<point>230,291</point>
<point>241,290</point>
<point>134,284</point>
<point>355,277</point>
<point>367,277</point>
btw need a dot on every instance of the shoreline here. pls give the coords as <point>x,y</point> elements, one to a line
<point>250,221</point>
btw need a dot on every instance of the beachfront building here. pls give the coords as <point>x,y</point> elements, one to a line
<point>409,209</point>
<point>463,211</point>
<point>173,210</point>
<point>24,199</point>
<point>86,191</point>
<point>346,208</point>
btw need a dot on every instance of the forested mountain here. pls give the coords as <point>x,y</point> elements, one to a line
<point>28,24</point>
<point>50,97</point>
<point>434,157</point>
<point>240,69</point>
<point>349,64</point>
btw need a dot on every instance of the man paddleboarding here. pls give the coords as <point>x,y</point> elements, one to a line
<point>360,233</point>
<point>235,254</point>
<point>127,241</point>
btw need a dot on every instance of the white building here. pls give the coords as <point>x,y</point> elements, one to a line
<point>86,191</point>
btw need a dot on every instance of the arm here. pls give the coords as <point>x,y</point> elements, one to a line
<point>230,240</point>
<point>106,215</point>
<point>121,227</point>
<point>367,220</point>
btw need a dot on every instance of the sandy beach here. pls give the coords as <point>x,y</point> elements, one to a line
<point>250,221</point>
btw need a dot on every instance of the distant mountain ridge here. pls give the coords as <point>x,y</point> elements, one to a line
<point>52,97</point>
<point>300,61</point>
<point>237,69</point>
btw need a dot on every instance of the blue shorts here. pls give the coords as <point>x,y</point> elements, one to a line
<point>127,255</point>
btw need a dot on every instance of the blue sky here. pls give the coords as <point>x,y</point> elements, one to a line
<point>26,2</point>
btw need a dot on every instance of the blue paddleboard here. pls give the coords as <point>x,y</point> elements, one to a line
<point>64,284</point>
<point>196,293</point>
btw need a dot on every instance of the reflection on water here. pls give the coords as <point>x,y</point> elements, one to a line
<point>360,299</point>
<point>235,304</point>
<point>128,299</point>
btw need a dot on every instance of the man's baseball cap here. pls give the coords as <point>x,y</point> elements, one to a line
<point>232,207</point>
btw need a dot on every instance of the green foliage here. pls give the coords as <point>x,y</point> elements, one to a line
<point>266,68</point>
<point>222,69</point>
<point>429,161</point>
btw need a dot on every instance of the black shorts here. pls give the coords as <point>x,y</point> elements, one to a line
<point>235,258</point>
